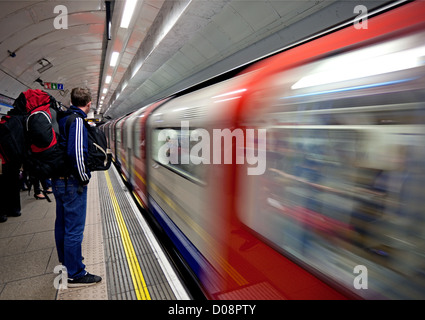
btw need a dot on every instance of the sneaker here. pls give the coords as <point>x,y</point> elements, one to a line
<point>84,281</point>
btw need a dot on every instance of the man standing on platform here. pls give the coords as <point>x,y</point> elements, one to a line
<point>70,191</point>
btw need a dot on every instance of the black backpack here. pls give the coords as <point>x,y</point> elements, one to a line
<point>99,154</point>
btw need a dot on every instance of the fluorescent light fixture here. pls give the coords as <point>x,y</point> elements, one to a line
<point>108,79</point>
<point>114,58</point>
<point>378,64</point>
<point>105,90</point>
<point>128,13</point>
<point>103,97</point>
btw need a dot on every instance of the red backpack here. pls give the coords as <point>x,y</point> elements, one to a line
<point>38,124</point>
<point>45,158</point>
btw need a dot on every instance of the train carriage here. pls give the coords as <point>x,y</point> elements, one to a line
<point>300,178</point>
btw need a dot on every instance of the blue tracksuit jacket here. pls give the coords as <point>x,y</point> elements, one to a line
<point>77,145</point>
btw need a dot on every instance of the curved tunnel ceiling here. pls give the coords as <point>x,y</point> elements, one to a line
<point>168,46</point>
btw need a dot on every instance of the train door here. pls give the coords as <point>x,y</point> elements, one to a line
<point>128,147</point>
<point>118,141</point>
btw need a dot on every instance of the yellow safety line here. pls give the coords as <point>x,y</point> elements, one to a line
<point>139,283</point>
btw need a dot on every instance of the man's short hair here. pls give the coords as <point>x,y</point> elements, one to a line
<point>80,97</point>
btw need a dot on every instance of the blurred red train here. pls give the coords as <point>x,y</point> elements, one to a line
<point>303,176</point>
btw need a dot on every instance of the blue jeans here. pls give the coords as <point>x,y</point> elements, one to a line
<point>69,225</point>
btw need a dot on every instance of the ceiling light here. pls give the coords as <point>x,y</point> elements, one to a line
<point>114,58</point>
<point>105,90</point>
<point>128,13</point>
<point>108,79</point>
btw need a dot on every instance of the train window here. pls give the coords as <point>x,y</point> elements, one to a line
<point>355,111</point>
<point>137,134</point>
<point>118,132</point>
<point>118,135</point>
<point>137,143</point>
<point>334,197</point>
<point>117,142</point>
<point>117,139</point>
<point>170,151</point>
<point>124,138</point>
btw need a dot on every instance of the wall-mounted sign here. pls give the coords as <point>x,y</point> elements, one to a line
<point>53,86</point>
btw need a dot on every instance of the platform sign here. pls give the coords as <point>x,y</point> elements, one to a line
<point>53,86</point>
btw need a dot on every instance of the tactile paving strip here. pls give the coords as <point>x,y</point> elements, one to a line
<point>120,286</point>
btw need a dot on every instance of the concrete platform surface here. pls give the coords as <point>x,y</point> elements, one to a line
<point>28,252</point>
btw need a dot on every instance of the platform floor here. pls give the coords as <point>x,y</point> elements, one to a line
<point>118,245</point>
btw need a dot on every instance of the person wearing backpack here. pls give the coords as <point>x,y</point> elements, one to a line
<point>10,198</point>
<point>11,150</point>
<point>70,191</point>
